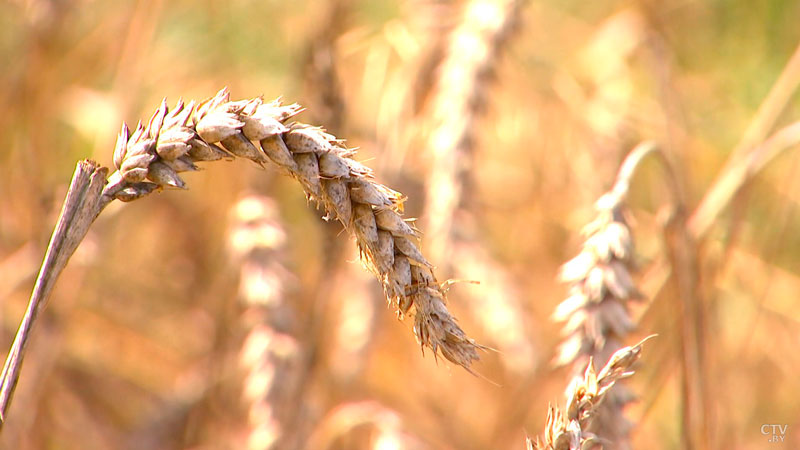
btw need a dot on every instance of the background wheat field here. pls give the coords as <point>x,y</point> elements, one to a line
<point>231,316</point>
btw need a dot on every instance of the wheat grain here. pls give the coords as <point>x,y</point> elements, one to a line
<point>151,157</point>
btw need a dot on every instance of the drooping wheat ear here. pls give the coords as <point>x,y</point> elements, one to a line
<point>150,158</point>
<point>460,97</point>
<point>271,355</point>
<point>570,429</point>
<point>601,286</point>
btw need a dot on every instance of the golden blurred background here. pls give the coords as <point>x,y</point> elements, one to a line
<point>144,343</point>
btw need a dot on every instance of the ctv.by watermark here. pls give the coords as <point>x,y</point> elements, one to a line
<point>776,433</point>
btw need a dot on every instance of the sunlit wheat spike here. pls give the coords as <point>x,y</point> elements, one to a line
<point>330,176</point>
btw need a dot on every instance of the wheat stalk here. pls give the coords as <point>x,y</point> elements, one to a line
<point>569,429</point>
<point>434,22</point>
<point>150,157</point>
<point>83,203</point>
<point>601,287</point>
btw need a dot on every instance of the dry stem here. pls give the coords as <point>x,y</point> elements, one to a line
<point>81,206</point>
<point>735,174</point>
<point>753,152</point>
<point>319,69</point>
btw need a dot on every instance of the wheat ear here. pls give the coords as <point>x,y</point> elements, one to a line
<point>150,158</point>
<point>569,429</point>
<point>271,355</point>
<point>474,47</point>
<point>601,287</point>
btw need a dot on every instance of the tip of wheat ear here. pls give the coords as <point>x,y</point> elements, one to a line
<point>150,158</point>
<point>567,429</point>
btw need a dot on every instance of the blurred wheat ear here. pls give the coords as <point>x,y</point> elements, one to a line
<point>271,355</point>
<point>150,157</point>
<point>601,287</point>
<point>451,124</point>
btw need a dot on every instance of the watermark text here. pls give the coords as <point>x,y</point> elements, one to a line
<point>775,432</point>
